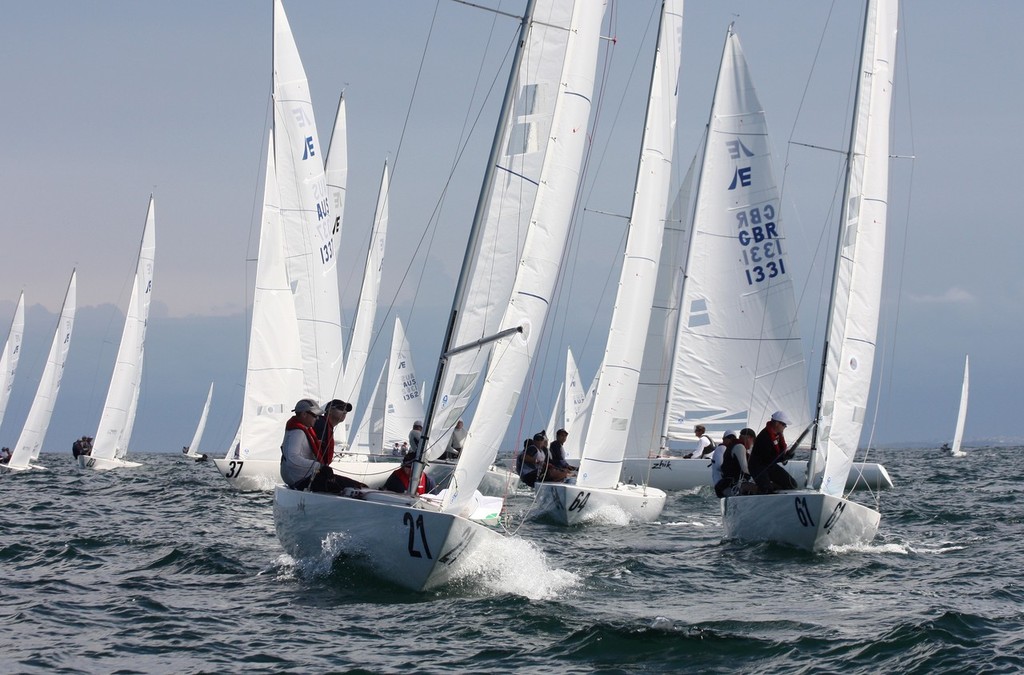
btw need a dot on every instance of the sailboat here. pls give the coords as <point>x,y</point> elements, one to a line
<point>724,348</point>
<point>274,377</point>
<point>961,416</point>
<point>30,442</point>
<point>192,449</point>
<point>819,515</point>
<point>11,355</point>
<point>115,430</point>
<point>298,219</point>
<point>596,486</point>
<point>421,542</point>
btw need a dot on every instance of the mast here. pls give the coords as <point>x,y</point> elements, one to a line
<point>473,244</point>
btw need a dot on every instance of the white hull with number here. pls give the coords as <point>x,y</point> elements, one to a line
<point>678,473</point>
<point>568,504</point>
<point>104,464</point>
<point>399,538</point>
<point>262,475</point>
<point>805,519</point>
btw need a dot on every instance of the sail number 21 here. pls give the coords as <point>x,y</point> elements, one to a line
<point>417,524</point>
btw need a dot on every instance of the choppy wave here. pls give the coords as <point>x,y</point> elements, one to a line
<point>166,569</point>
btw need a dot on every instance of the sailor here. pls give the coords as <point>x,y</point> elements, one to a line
<point>399,479</point>
<point>718,455</point>
<point>415,435</point>
<point>557,451</point>
<point>705,446</point>
<point>456,442</point>
<point>735,468</point>
<point>769,453</point>
<point>300,468</point>
<point>334,414</point>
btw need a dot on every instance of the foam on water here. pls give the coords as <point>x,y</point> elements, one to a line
<point>517,566</point>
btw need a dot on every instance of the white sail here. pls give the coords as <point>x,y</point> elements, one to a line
<point>369,436</point>
<point>961,416</point>
<point>738,353</point>
<point>504,211</point>
<point>307,218</point>
<point>11,354</point>
<point>527,306</point>
<point>274,375</point>
<point>857,286</point>
<point>336,168</point>
<point>404,399</point>
<point>557,418</point>
<point>575,393</point>
<point>362,331</point>
<point>193,447</point>
<point>118,417</point>
<point>614,397</point>
<point>577,420</point>
<point>648,425</point>
<point>30,442</point>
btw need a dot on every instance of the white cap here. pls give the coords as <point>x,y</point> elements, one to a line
<point>727,434</point>
<point>779,416</point>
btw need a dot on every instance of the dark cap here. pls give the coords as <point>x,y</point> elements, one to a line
<point>747,431</point>
<point>407,460</point>
<point>540,436</point>
<point>338,404</point>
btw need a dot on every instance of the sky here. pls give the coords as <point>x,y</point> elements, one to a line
<point>109,101</point>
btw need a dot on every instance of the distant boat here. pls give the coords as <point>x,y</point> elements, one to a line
<point>596,485</point>
<point>422,542</point>
<point>118,418</point>
<point>30,442</point>
<point>819,515</point>
<point>192,449</point>
<point>961,415</point>
<point>11,354</point>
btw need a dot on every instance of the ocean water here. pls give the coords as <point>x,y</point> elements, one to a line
<point>165,569</point>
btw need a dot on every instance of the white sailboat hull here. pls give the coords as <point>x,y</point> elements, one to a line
<point>103,464</point>
<point>567,504</point>
<point>4,468</point>
<point>395,536</point>
<point>802,518</point>
<point>677,473</point>
<point>262,475</point>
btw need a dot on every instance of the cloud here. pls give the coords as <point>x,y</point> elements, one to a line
<point>952,295</point>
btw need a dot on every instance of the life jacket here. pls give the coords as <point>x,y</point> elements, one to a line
<point>404,478</point>
<point>325,455</point>
<point>314,442</point>
<point>730,465</point>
